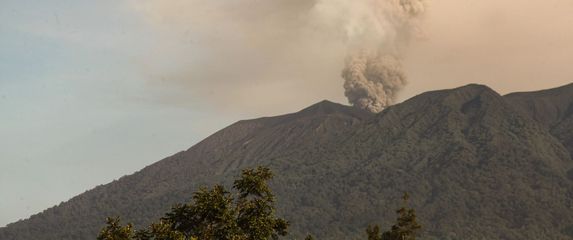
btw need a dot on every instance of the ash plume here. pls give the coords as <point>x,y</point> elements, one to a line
<point>372,81</point>
<point>236,51</point>
<point>376,32</point>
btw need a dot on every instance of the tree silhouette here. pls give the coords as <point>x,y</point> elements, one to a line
<point>405,228</point>
<point>115,231</point>
<point>373,232</point>
<point>309,237</point>
<point>215,214</point>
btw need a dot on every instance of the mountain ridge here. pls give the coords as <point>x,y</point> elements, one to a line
<point>552,107</point>
<point>476,164</point>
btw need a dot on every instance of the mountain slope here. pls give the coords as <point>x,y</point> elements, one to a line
<point>482,168</point>
<point>477,165</point>
<point>549,107</point>
<point>147,194</point>
<point>553,108</point>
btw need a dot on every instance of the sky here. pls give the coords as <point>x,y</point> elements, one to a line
<point>94,90</point>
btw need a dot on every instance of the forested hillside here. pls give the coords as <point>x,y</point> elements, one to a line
<point>477,165</point>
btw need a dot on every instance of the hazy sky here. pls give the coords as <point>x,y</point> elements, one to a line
<point>93,90</point>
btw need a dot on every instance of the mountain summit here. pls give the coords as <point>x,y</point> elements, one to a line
<point>478,165</point>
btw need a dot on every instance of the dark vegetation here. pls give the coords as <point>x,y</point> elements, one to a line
<point>249,214</point>
<point>481,165</point>
<point>215,214</point>
<point>405,228</point>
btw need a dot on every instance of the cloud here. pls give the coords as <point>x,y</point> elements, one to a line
<point>509,45</point>
<point>269,57</point>
<point>242,54</point>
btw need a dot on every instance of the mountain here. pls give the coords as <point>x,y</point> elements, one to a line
<point>476,164</point>
<point>553,108</point>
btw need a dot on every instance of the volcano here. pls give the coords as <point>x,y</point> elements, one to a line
<point>476,164</point>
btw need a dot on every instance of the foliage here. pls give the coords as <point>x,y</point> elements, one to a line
<point>373,232</point>
<point>114,230</point>
<point>309,237</point>
<point>160,231</point>
<point>215,214</point>
<point>255,206</point>
<point>210,216</point>
<point>406,226</point>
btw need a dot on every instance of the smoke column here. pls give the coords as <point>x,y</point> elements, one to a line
<point>238,51</point>
<point>376,31</point>
<point>372,81</point>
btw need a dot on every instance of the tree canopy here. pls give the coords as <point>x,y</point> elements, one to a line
<point>405,228</point>
<point>215,214</point>
<point>248,213</point>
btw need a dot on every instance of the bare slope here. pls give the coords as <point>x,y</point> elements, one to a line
<point>476,165</point>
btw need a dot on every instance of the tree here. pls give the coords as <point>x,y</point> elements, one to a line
<point>373,232</point>
<point>160,231</point>
<point>115,231</point>
<point>255,206</point>
<point>215,214</point>
<point>309,237</point>
<point>209,216</point>
<point>406,226</point>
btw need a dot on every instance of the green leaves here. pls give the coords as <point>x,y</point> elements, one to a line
<point>215,214</point>
<point>373,232</point>
<point>115,231</point>
<point>255,206</point>
<point>253,182</point>
<point>406,226</point>
<point>209,216</point>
